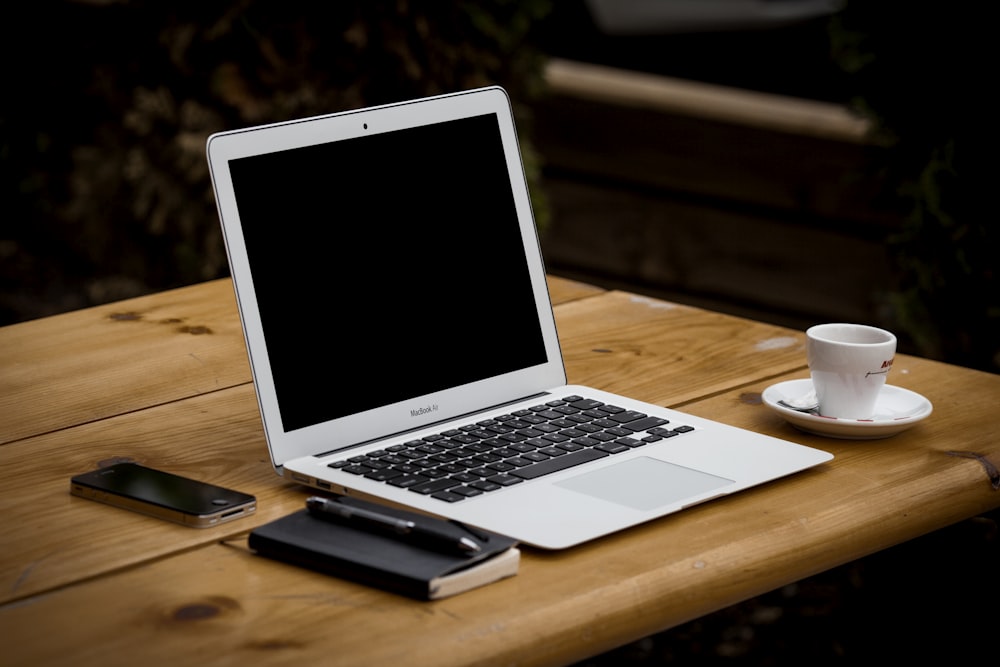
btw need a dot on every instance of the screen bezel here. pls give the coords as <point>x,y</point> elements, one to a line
<point>398,417</point>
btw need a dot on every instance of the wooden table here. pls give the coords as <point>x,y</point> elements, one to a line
<point>164,380</point>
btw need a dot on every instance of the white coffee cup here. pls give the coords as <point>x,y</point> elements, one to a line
<point>849,364</point>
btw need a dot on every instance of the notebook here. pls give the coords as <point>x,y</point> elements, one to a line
<point>393,298</point>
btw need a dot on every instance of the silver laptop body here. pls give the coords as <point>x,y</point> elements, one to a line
<point>394,302</point>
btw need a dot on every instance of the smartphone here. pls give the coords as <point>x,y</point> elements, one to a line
<point>163,495</point>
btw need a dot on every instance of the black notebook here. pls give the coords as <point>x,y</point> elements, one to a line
<point>385,561</point>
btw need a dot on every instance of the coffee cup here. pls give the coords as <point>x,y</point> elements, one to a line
<point>849,364</point>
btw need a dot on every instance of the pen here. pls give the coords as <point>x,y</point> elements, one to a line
<point>426,535</point>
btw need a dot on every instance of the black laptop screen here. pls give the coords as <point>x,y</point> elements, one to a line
<point>386,267</point>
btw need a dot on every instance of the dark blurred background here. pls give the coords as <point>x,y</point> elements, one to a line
<point>107,104</point>
<point>105,194</point>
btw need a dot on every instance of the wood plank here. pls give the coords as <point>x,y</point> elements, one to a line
<point>685,251</point>
<point>564,290</point>
<point>237,607</point>
<point>718,164</point>
<point>616,341</point>
<point>52,539</point>
<point>194,599</point>
<point>667,354</point>
<point>95,363</point>
<point>714,196</point>
<point>642,90</point>
<point>98,362</point>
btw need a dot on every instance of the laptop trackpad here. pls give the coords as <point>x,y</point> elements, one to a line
<point>644,483</point>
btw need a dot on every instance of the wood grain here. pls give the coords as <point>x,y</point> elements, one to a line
<point>666,353</point>
<point>112,359</point>
<point>107,586</point>
<point>614,341</point>
<point>234,606</point>
<point>94,363</point>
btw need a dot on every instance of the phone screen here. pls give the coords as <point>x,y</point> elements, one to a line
<point>162,494</point>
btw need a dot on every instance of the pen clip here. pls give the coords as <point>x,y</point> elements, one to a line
<point>475,532</point>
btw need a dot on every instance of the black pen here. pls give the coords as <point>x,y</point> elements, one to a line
<point>425,535</point>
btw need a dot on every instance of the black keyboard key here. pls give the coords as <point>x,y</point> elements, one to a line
<point>519,461</point>
<point>505,480</point>
<point>407,481</point>
<point>558,463</point>
<point>611,447</point>
<point>645,424</point>
<point>485,485</point>
<point>532,418</point>
<point>448,496</point>
<point>427,488</point>
<point>410,454</point>
<point>465,461</point>
<point>468,491</point>
<point>383,475</point>
<point>626,416</point>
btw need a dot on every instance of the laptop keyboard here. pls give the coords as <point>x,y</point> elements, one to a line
<point>497,453</point>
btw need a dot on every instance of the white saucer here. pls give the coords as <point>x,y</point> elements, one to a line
<point>896,410</point>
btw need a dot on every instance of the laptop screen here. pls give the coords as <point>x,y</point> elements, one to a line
<point>386,267</point>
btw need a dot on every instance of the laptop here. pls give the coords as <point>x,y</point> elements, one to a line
<point>393,297</point>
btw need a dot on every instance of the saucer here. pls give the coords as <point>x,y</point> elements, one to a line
<point>896,410</point>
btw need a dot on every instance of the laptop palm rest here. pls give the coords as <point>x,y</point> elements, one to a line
<point>644,483</point>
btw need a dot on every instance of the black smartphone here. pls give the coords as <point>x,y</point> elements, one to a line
<point>162,494</point>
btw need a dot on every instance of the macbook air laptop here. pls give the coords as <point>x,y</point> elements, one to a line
<point>394,302</point>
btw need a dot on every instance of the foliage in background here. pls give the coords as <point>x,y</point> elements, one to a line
<point>104,185</point>
<point>924,72</point>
